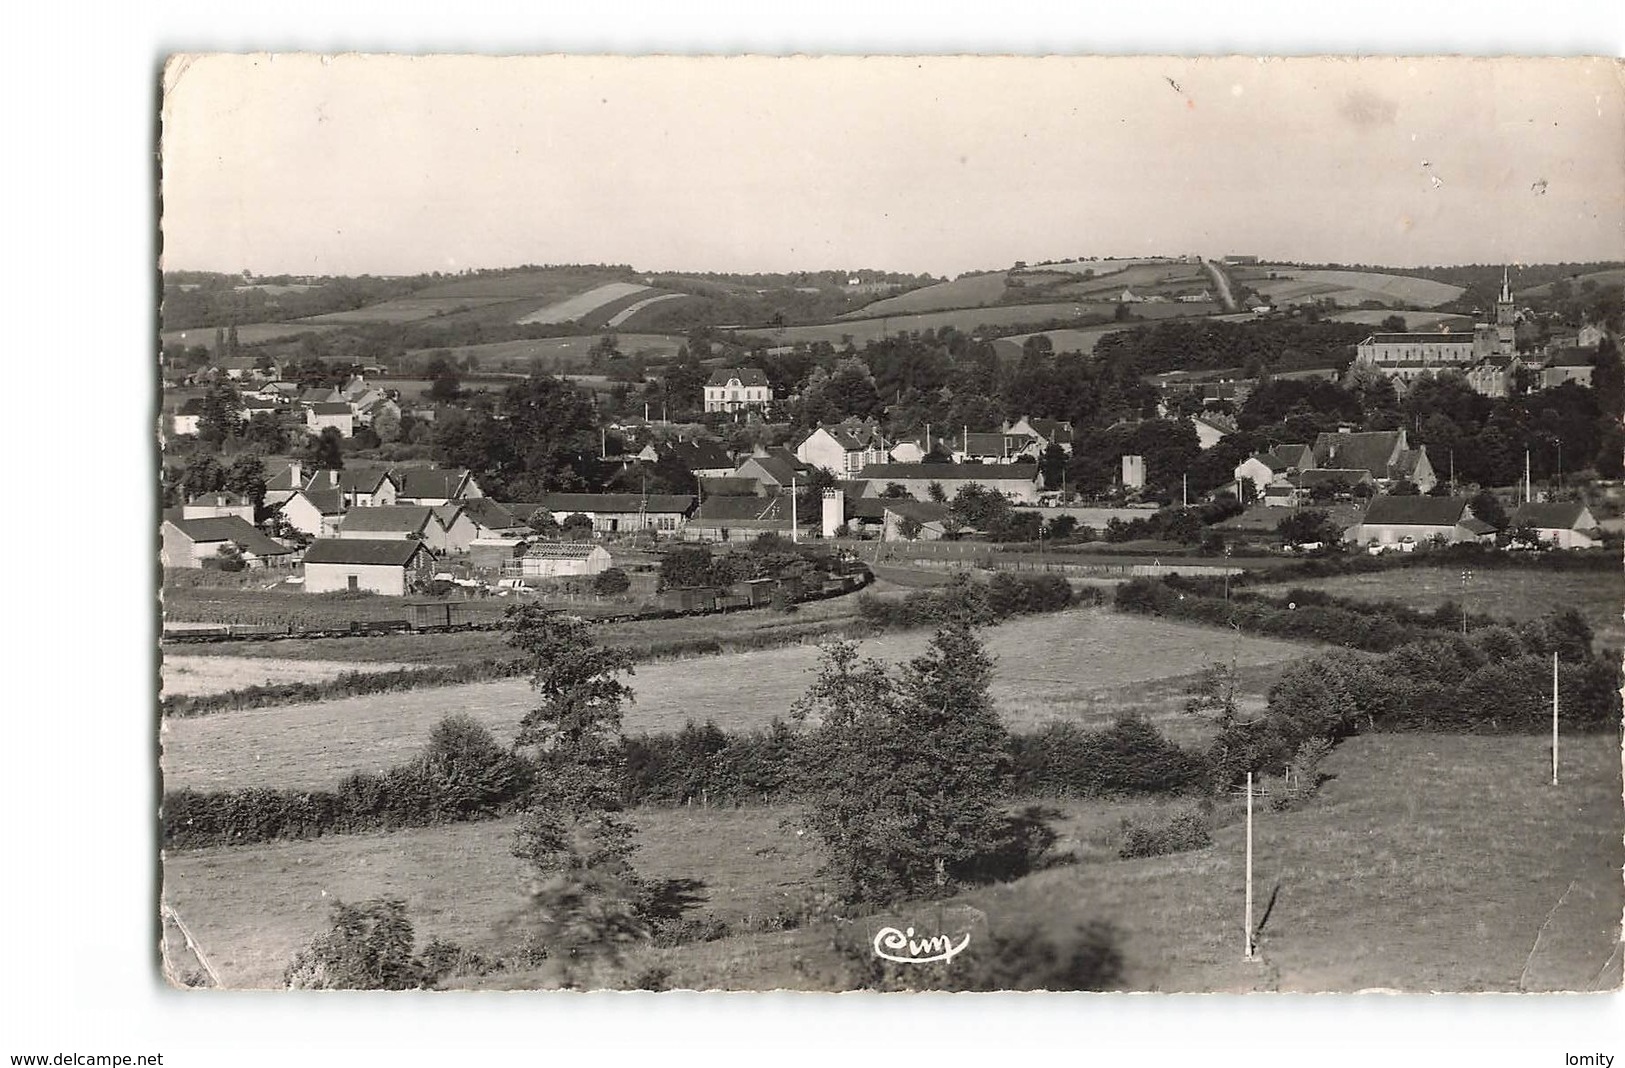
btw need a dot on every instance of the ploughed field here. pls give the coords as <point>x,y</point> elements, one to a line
<point>1085,665</point>
<point>1427,862</point>
<point>1598,596</point>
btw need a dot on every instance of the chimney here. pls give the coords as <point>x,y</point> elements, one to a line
<point>834,511</point>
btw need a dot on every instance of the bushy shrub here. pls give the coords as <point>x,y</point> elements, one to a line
<point>1178,834</point>
<point>610,582</point>
<point>1129,757</point>
<point>366,947</point>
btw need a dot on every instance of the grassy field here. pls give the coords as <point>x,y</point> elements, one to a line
<point>970,291</point>
<point>1086,666</point>
<point>546,284</point>
<point>1599,596</point>
<point>291,606</point>
<point>247,334</point>
<point>964,319</point>
<point>192,675</point>
<point>1428,862</point>
<point>556,353</point>
<point>577,305</point>
<point>1353,287</point>
<point>1414,320</point>
<point>1612,276</point>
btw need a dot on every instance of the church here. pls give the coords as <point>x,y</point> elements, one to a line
<point>1488,359</point>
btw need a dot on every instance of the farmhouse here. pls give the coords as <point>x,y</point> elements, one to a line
<point>622,513</point>
<point>699,457</point>
<point>219,505</point>
<point>1018,481</point>
<point>843,449</point>
<point>188,542</point>
<point>388,565</point>
<point>365,487</point>
<point>1565,524</point>
<point>548,559</point>
<point>415,521</point>
<point>434,485</point>
<point>316,513</point>
<point>185,419</point>
<point>736,389</point>
<point>335,414</point>
<point>743,518</point>
<point>1568,365</point>
<point>771,470</point>
<point>1393,519</point>
<point>928,514</point>
<point>1263,468</point>
<point>1384,453</point>
<point>994,448</point>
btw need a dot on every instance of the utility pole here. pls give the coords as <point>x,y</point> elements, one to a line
<point>793,531</point>
<point>1554,717</point>
<point>1249,917</point>
<point>1465,575</point>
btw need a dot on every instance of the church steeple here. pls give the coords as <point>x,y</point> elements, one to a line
<point>1506,286</point>
<point>1504,313</point>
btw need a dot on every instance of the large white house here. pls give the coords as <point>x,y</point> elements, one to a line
<point>387,565</point>
<point>737,389</point>
<point>843,449</point>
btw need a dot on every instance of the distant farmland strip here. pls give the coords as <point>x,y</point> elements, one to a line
<point>1353,287</point>
<point>578,306</point>
<point>626,313</point>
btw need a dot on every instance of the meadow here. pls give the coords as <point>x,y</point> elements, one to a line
<point>1418,321</point>
<point>402,310</point>
<point>1612,276</point>
<point>964,319</point>
<point>1598,596</point>
<point>556,353</point>
<point>1086,666</point>
<point>247,333</point>
<point>1426,862</point>
<point>578,305</point>
<point>967,291</point>
<point>1293,286</point>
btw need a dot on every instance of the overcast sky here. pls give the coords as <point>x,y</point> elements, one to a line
<point>390,165</point>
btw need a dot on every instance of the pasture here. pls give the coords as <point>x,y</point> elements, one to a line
<point>543,284</point>
<point>964,319</point>
<point>966,291</point>
<point>194,675</point>
<point>1417,321</point>
<point>247,334</point>
<point>1293,286</point>
<point>578,305</point>
<point>557,354</point>
<point>1427,862</point>
<point>1598,596</point>
<point>1085,665</point>
<point>1612,276</point>
<point>402,310</point>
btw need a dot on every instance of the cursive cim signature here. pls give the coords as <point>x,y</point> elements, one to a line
<point>889,942</point>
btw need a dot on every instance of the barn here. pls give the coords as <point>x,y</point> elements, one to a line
<point>357,565</point>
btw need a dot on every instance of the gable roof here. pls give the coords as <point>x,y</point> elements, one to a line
<point>409,517</point>
<point>747,376</point>
<point>325,501</point>
<point>1573,358</point>
<point>362,479</point>
<point>978,444</point>
<point>1017,472</point>
<point>745,509</point>
<point>615,503</point>
<point>1369,450</point>
<point>220,499</point>
<point>728,486</point>
<point>232,528</point>
<point>330,408</point>
<point>1416,511</point>
<point>1419,338</point>
<point>920,511</point>
<point>489,514</point>
<point>776,468</point>
<point>562,550</point>
<point>394,552</point>
<point>1550,515</point>
<point>699,455</point>
<point>444,482</point>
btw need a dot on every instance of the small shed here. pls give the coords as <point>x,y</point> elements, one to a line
<point>563,560</point>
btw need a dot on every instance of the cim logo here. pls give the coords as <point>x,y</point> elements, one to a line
<point>903,948</point>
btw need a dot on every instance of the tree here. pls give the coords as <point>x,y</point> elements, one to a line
<point>246,477</point>
<point>577,527</point>
<point>908,775</point>
<point>587,896</point>
<point>1307,527</point>
<point>445,384</point>
<point>387,425</point>
<point>896,491</point>
<point>1489,509</point>
<point>909,528</point>
<point>610,582</point>
<point>365,947</point>
<point>221,416</point>
<point>542,522</point>
<point>937,493</point>
<point>325,451</point>
<point>1394,324</point>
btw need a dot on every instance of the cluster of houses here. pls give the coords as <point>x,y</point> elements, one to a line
<point>1361,463</point>
<point>344,408</point>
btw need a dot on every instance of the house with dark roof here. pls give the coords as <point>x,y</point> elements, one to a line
<point>730,486</point>
<point>1018,481</point>
<point>1568,365</point>
<point>928,514</point>
<point>335,414</point>
<point>1384,453</point>
<point>366,487</point>
<point>1563,524</point>
<point>477,519</point>
<point>737,389</point>
<point>1274,466</point>
<point>622,513</point>
<point>282,480</point>
<point>218,504</point>
<point>702,456</point>
<point>434,485</point>
<point>360,565</point>
<point>745,518</point>
<point>1416,519</point>
<point>773,470</point>
<point>189,542</point>
<point>414,521</point>
<point>1045,432</point>
<point>843,449</point>
<point>978,448</point>
<point>315,512</point>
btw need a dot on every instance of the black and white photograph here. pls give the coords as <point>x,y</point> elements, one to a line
<point>664,523</point>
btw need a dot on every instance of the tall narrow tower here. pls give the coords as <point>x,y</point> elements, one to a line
<point>1506,327</point>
